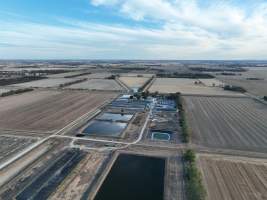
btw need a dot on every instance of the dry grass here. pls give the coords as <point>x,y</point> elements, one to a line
<point>186,86</point>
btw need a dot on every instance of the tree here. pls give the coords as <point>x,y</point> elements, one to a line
<point>190,155</point>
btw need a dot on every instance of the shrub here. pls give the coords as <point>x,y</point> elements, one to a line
<point>182,116</point>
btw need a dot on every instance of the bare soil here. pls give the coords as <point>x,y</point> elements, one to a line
<point>47,111</point>
<point>230,123</point>
<point>234,179</point>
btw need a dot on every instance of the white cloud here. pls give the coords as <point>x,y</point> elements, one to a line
<point>189,31</point>
<point>226,28</point>
<point>104,2</point>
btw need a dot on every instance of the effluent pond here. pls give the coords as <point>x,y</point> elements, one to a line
<point>134,177</point>
<point>105,128</point>
<point>116,117</point>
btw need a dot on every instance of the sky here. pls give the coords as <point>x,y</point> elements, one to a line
<point>133,29</point>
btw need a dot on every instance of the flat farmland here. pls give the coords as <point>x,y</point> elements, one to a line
<point>46,83</point>
<point>212,82</point>
<point>47,110</point>
<point>4,90</point>
<point>234,178</point>
<point>256,87</point>
<point>11,145</point>
<point>62,75</point>
<point>146,75</point>
<point>97,84</point>
<point>186,86</point>
<point>231,123</point>
<point>134,82</point>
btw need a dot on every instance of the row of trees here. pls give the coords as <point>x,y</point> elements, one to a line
<point>234,88</point>
<point>182,116</point>
<point>195,189</point>
<point>19,91</point>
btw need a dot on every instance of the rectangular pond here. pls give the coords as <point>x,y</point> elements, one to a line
<point>164,136</point>
<point>134,177</point>
<point>116,117</point>
<point>105,128</point>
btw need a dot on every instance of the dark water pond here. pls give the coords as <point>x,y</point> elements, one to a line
<point>105,128</point>
<point>115,117</point>
<point>134,178</point>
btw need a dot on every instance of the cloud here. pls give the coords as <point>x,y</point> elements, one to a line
<point>217,16</point>
<point>188,30</point>
<point>223,26</point>
<point>104,2</point>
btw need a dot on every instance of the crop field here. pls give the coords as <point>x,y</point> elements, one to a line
<point>46,83</point>
<point>63,75</point>
<point>234,179</point>
<point>186,86</point>
<point>212,82</point>
<point>11,145</point>
<point>256,72</point>
<point>232,123</point>
<point>47,110</point>
<point>101,75</point>
<point>256,87</point>
<point>134,82</point>
<point>97,84</point>
<point>253,72</point>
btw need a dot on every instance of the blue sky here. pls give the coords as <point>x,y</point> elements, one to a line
<point>133,29</point>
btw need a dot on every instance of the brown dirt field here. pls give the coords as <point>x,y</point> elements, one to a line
<point>97,84</point>
<point>233,179</point>
<point>47,111</point>
<point>227,123</point>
